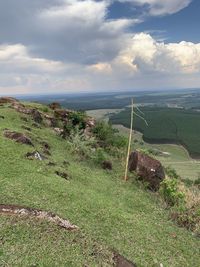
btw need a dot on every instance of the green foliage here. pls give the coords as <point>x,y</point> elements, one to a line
<point>80,144</point>
<point>108,136</point>
<point>78,118</point>
<point>170,192</point>
<point>171,173</point>
<point>99,155</point>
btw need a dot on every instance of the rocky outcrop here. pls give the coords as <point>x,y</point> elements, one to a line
<point>62,114</point>
<point>18,137</point>
<point>37,117</point>
<point>55,105</point>
<point>7,100</point>
<point>148,169</point>
<point>50,121</point>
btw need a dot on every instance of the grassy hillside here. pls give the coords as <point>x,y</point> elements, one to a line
<point>111,214</point>
<point>166,125</point>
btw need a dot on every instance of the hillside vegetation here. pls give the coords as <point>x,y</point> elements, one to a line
<point>168,125</point>
<point>111,215</point>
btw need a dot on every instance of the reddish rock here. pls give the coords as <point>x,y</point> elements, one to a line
<point>6,100</point>
<point>120,261</point>
<point>55,105</point>
<point>62,114</point>
<point>18,137</point>
<point>148,169</point>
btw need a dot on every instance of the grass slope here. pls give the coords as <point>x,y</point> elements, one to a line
<point>111,214</point>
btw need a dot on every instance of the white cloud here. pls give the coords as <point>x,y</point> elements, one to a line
<point>161,7</point>
<point>71,45</point>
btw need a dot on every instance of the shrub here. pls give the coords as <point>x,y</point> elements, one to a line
<point>171,172</point>
<point>170,191</point>
<point>108,136</point>
<point>78,118</point>
<point>99,156</point>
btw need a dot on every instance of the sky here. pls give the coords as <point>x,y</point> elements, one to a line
<point>65,46</point>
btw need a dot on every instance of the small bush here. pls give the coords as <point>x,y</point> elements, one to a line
<point>99,156</point>
<point>170,192</point>
<point>171,173</point>
<point>78,118</point>
<point>108,136</point>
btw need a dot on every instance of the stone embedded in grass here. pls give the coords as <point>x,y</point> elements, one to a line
<point>62,174</point>
<point>37,117</point>
<point>106,165</point>
<point>18,137</point>
<point>50,121</point>
<point>120,261</point>
<point>148,169</point>
<point>36,125</point>
<point>40,214</point>
<point>66,163</point>
<point>35,155</point>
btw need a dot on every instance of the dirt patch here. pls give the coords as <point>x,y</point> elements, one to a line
<point>44,215</point>
<point>120,261</point>
<point>18,137</point>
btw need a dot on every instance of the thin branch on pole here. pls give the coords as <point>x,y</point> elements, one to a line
<point>129,143</point>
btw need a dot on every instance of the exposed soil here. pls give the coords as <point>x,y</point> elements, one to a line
<point>30,212</point>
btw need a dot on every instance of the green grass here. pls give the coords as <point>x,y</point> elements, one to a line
<point>110,213</point>
<point>166,125</point>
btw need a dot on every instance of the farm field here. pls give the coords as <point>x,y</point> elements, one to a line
<point>178,157</point>
<point>166,125</point>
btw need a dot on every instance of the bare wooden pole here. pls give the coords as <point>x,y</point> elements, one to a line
<point>129,143</point>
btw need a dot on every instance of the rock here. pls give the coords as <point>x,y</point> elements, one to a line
<point>50,121</point>
<point>37,117</point>
<point>62,174</point>
<point>62,114</point>
<point>58,131</point>
<point>148,169</point>
<point>35,155</point>
<point>2,117</point>
<point>106,165</point>
<point>55,105</point>
<point>120,261</point>
<point>19,107</point>
<point>18,137</point>
<point>6,100</point>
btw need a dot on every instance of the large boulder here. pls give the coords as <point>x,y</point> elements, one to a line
<point>148,169</point>
<point>50,121</point>
<point>18,137</point>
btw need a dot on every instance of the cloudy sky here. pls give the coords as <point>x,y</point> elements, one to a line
<point>52,46</point>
